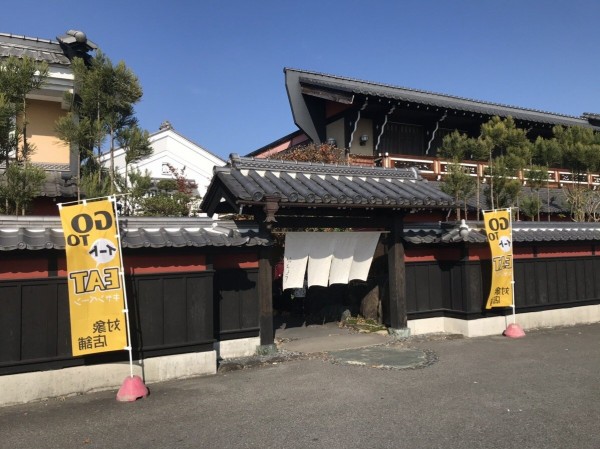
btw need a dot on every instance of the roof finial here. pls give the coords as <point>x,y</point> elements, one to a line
<point>165,125</point>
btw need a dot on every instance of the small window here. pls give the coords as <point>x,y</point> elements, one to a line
<point>165,168</point>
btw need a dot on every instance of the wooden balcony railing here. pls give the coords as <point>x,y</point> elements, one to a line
<point>435,169</point>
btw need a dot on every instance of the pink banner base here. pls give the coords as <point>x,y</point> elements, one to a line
<point>133,388</point>
<point>514,331</point>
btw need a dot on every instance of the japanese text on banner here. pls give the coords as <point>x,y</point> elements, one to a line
<point>499,235</point>
<point>96,297</point>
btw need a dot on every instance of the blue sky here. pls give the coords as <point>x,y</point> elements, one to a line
<point>214,69</point>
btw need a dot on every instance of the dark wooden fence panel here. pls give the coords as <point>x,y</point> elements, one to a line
<point>525,282</point>
<point>39,306</point>
<point>457,285</point>
<point>169,314</point>
<point>412,281</point>
<point>444,286</point>
<point>200,308</point>
<point>596,269</point>
<point>150,311</point>
<point>588,278</point>
<point>174,312</point>
<point>10,322</point>
<point>185,312</point>
<point>541,273</point>
<point>461,288</point>
<point>546,282</point>
<point>476,286</point>
<point>424,287</point>
<point>236,298</point>
<point>34,324</point>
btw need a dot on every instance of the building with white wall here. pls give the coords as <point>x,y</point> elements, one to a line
<point>171,149</point>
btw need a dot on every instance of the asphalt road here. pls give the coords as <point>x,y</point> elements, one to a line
<point>541,391</point>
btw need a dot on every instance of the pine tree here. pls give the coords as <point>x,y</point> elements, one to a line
<point>18,77</point>
<point>20,182</point>
<point>103,106</point>
<point>134,142</point>
<point>458,184</point>
<point>458,147</point>
<point>536,177</point>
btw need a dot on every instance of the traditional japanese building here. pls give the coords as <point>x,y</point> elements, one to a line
<point>46,105</point>
<point>391,126</point>
<point>432,276</point>
<point>191,293</point>
<point>172,153</point>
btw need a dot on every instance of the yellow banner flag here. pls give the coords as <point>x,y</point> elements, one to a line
<point>96,295</point>
<point>498,227</point>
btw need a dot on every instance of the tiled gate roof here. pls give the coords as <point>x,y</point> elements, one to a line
<point>317,185</point>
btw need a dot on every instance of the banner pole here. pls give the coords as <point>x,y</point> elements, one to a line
<point>133,387</point>
<point>513,330</point>
<point>122,274</point>
<point>512,271</point>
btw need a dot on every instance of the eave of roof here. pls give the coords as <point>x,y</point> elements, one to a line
<point>35,48</point>
<point>275,143</point>
<point>522,232</point>
<point>36,233</point>
<point>58,182</point>
<point>368,88</point>
<point>309,185</point>
<point>166,131</point>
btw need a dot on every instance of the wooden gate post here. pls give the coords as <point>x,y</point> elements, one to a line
<point>265,277</point>
<point>265,298</point>
<point>397,278</point>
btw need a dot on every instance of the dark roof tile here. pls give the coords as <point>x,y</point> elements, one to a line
<point>35,233</point>
<point>34,48</point>
<point>302,184</point>
<point>523,232</point>
<point>371,89</point>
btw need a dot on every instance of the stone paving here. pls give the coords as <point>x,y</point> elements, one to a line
<point>340,345</point>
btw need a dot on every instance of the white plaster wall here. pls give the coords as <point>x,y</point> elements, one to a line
<point>336,130</point>
<point>242,347</point>
<point>496,325</point>
<point>365,126</point>
<point>27,387</point>
<point>170,147</point>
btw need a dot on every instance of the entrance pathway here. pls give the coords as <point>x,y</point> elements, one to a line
<point>316,338</point>
<point>346,346</point>
<point>341,346</point>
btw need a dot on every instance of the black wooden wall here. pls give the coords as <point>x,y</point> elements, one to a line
<point>236,298</point>
<point>169,314</point>
<point>550,283</point>
<point>460,289</point>
<point>172,313</point>
<point>34,326</point>
<point>187,312</point>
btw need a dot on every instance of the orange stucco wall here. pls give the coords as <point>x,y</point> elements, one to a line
<point>21,265</point>
<point>229,261</point>
<point>41,117</point>
<point>163,263</point>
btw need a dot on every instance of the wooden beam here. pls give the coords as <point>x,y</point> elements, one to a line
<point>336,96</point>
<point>331,222</point>
<point>265,297</point>
<point>397,274</point>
